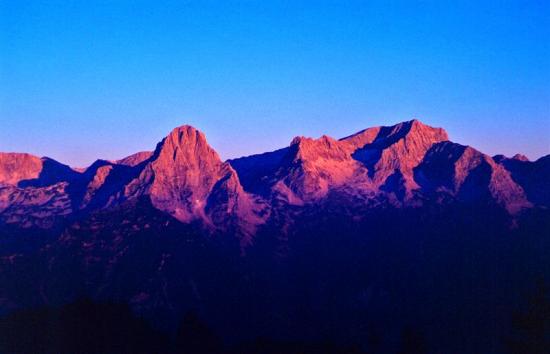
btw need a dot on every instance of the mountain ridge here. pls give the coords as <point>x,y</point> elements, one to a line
<point>376,231</point>
<point>401,165</point>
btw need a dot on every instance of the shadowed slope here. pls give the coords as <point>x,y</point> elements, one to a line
<point>396,166</point>
<point>25,170</point>
<point>186,178</point>
<point>469,175</point>
<point>533,176</point>
<point>135,159</point>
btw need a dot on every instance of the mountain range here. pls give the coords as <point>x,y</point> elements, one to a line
<point>379,228</point>
<point>404,165</point>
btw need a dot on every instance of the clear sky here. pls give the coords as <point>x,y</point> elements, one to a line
<point>81,80</point>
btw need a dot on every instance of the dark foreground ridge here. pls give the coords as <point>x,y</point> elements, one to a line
<point>391,240</point>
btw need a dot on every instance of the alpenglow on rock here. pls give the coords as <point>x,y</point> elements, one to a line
<point>407,165</point>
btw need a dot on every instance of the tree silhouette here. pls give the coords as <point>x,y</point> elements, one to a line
<point>195,337</point>
<point>531,328</point>
<point>79,327</point>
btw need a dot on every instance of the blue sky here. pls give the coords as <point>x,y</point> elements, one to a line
<point>81,80</point>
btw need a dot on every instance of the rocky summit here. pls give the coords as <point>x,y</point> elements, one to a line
<point>409,164</point>
<point>352,240</point>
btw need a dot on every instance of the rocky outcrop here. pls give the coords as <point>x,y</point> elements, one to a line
<point>408,164</point>
<point>135,159</point>
<point>469,175</point>
<point>26,170</point>
<point>533,176</point>
<point>373,161</point>
<point>394,152</point>
<point>16,167</point>
<point>186,178</point>
<point>34,207</point>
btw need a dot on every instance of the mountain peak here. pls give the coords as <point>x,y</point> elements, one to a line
<point>388,135</point>
<point>185,135</point>
<point>135,159</point>
<point>325,147</point>
<point>180,173</point>
<point>186,131</point>
<point>517,157</point>
<point>417,128</point>
<point>25,170</point>
<point>186,178</point>
<point>520,157</point>
<point>184,145</point>
<point>15,167</point>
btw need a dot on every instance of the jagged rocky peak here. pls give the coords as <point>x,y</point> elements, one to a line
<point>180,174</point>
<point>406,143</point>
<point>391,153</point>
<point>468,174</point>
<point>362,162</point>
<point>411,139</point>
<point>184,158</point>
<point>311,168</point>
<point>15,167</point>
<point>386,135</point>
<point>189,141</point>
<point>517,157</point>
<point>25,170</point>
<point>520,157</point>
<point>135,159</point>
<point>416,127</point>
<point>309,149</point>
<point>362,138</point>
<point>186,178</point>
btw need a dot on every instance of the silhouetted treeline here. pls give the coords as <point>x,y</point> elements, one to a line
<point>531,327</point>
<point>92,328</point>
<point>79,327</point>
<point>396,282</point>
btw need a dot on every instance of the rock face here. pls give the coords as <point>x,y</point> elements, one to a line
<point>313,167</point>
<point>532,176</point>
<point>470,175</point>
<point>26,170</point>
<point>181,175</point>
<point>186,178</point>
<point>373,160</point>
<point>135,159</point>
<point>405,165</point>
<point>395,151</point>
<point>31,206</point>
<point>33,190</point>
<point>16,167</point>
<point>323,236</point>
<point>401,164</point>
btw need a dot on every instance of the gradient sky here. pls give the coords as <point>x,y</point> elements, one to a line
<point>81,80</point>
